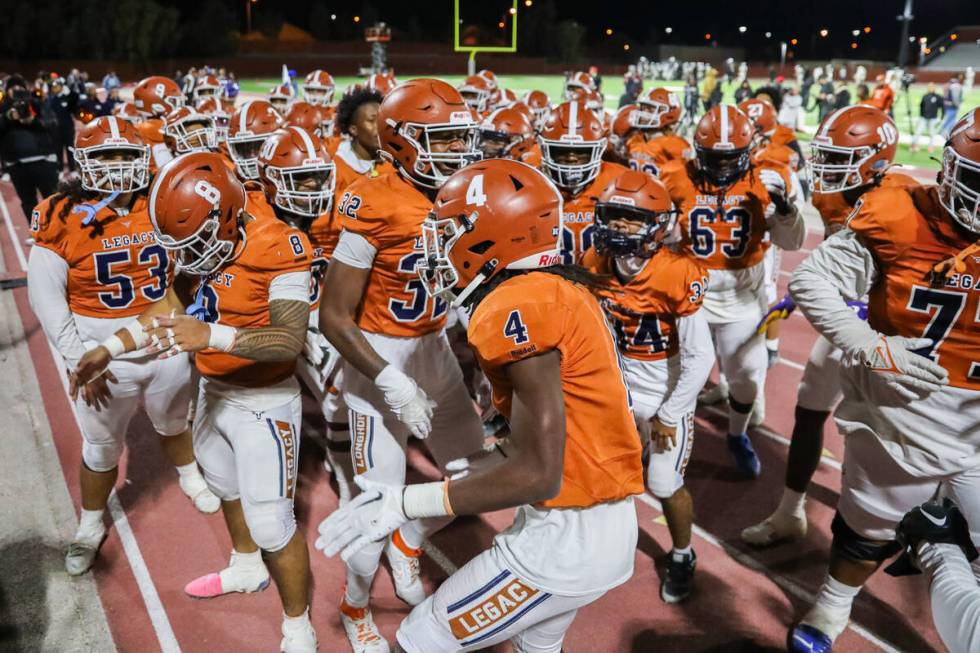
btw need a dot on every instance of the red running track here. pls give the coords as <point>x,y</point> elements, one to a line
<point>745,599</point>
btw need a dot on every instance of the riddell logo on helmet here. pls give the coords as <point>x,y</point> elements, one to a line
<point>574,138</point>
<point>549,259</point>
<point>313,162</point>
<point>460,117</point>
<point>619,199</point>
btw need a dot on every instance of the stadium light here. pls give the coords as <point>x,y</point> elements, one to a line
<point>357,19</point>
<point>707,37</point>
<point>608,31</point>
<point>793,42</point>
<point>626,47</point>
<point>742,29</point>
<point>824,32</point>
<point>854,45</point>
<point>855,32</point>
<point>511,11</point>
<point>768,35</point>
<point>911,39</point>
<point>923,39</point>
<point>953,37</point>
<point>867,30</point>
<point>528,3</point>
<point>333,16</point>
<point>668,29</point>
<point>501,25</point>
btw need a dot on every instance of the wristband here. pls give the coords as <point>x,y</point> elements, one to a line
<point>426,500</point>
<point>114,345</point>
<point>136,332</point>
<point>222,337</point>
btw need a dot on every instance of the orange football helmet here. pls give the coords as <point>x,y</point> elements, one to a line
<point>127,111</point>
<point>157,96</point>
<point>572,141</point>
<point>186,130</point>
<point>110,135</point>
<point>633,197</point>
<point>658,109</point>
<point>476,93</point>
<point>247,130</point>
<point>505,133</point>
<point>318,88</point>
<point>578,84</point>
<point>196,207</point>
<point>502,97</point>
<point>310,117</point>
<point>852,147</point>
<point>540,106</point>
<point>490,77</point>
<point>722,144</point>
<point>281,97</point>
<point>381,83</point>
<point>414,117</point>
<point>959,181</point>
<point>214,107</point>
<point>491,216</point>
<point>763,116</point>
<point>297,174</point>
<point>621,129</point>
<point>205,86</point>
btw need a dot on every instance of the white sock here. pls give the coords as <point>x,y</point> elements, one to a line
<point>296,624</point>
<point>686,551</point>
<point>253,559</point>
<point>836,598</point>
<point>358,591</point>
<point>412,534</point>
<point>90,523</point>
<point>738,422</point>
<point>189,470</point>
<point>791,503</point>
<point>773,344</point>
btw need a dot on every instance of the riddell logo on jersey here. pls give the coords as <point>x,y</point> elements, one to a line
<point>496,608</point>
<point>523,351</point>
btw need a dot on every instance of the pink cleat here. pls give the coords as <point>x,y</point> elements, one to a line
<point>246,573</point>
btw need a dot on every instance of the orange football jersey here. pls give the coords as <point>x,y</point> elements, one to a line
<point>727,232</point>
<point>644,310</point>
<point>909,232</point>
<point>332,143</point>
<point>238,296</point>
<point>539,312</point>
<point>151,131</point>
<point>533,156</point>
<point>781,154</point>
<point>783,135</point>
<point>834,208</point>
<point>115,266</point>
<point>578,214</point>
<point>649,156</point>
<point>388,212</point>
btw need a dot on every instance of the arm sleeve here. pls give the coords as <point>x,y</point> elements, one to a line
<point>697,358</point>
<point>789,231</point>
<point>47,282</point>
<point>841,269</point>
<point>354,250</point>
<point>955,596</point>
<point>293,286</point>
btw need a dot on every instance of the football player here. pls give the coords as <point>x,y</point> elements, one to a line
<point>186,130</point>
<point>318,89</point>
<point>853,151</point>
<point>652,302</point>
<point>910,376</point>
<point>205,86</point>
<point>400,377</point>
<point>95,265</point>
<point>155,97</point>
<point>214,107</point>
<point>656,116</point>
<point>247,130</point>
<point>572,143</point>
<point>507,134</point>
<point>315,119</point>
<point>381,83</point>
<point>246,321</point>
<point>572,461</point>
<point>540,106</point>
<point>578,85</point>
<point>727,207</point>
<point>281,97</point>
<point>476,91</point>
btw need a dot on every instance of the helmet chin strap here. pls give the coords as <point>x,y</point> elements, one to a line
<point>90,210</point>
<point>486,271</point>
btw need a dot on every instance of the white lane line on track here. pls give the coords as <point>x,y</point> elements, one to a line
<point>782,582</point>
<point>154,607</point>
<point>431,550</point>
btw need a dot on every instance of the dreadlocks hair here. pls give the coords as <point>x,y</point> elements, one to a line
<point>349,105</point>
<point>70,190</point>
<point>575,273</point>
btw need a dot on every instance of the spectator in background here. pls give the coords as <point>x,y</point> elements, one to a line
<point>691,97</point>
<point>952,99</point>
<point>862,95</point>
<point>743,92</point>
<point>930,115</point>
<point>27,144</point>
<point>62,102</point>
<point>596,77</point>
<point>883,96</point>
<point>96,104</point>
<point>710,89</point>
<point>791,110</point>
<point>187,84</point>
<point>179,77</point>
<point>110,81</point>
<point>842,98</point>
<point>826,99</point>
<point>632,86</point>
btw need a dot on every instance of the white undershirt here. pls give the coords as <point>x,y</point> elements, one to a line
<point>293,286</point>
<point>354,250</point>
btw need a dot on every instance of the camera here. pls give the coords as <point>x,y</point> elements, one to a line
<point>907,80</point>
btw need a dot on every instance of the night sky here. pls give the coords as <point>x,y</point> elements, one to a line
<point>644,22</point>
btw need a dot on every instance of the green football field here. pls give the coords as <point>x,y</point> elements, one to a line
<point>613,88</point>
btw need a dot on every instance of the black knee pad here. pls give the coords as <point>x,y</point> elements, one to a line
<point>738,406</point>
<point>852,546</point>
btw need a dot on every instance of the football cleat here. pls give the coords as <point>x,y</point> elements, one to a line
<point>405,569</point>
<point>241,575</point>
<point>932,523</point>
<point>805,638</point>
<point>777,527</point>
<point>362,632</point>
<point>198,492</point>
<point>82,551</point>
<point>298,640</point>
<point>678,577</point>
<point>744,456</point>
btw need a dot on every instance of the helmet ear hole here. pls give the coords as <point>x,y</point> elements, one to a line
<point>483,246</point>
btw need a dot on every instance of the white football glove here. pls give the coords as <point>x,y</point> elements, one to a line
<point>773,181</point>
<point>406,400</point>
<point>370,517</point>
<point>910,375</point>
<point>313,349</point>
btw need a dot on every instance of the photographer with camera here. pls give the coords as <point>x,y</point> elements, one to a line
<point>27,144</point>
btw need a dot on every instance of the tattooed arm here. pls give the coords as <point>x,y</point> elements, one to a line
<point>282,340</point>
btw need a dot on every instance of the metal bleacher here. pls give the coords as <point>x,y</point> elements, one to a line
<point>957,49</point>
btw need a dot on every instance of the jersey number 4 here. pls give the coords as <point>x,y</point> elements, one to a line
<point>121,290</point>
<point>514,328</point>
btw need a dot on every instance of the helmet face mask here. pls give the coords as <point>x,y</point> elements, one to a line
<point>959,189</point>
<point>435,159</point>
<point>193,134</point>
<point>836,168</point>
<point>306,191</point>
<point>475,98</point>
<point>102,172</point>
<point>560,160</point>
<point>723,167</point>
<point>435,269</point>
<point>639,233</point>
<point>201,253</point>
<point>244,152</point>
